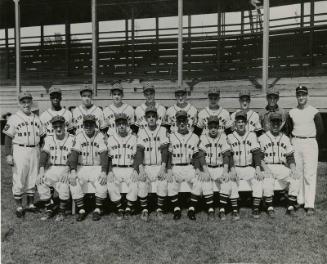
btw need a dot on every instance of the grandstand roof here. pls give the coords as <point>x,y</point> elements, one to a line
<point>50,12</point>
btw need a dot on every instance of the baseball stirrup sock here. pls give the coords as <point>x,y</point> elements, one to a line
<point>130,205</point>
<point>143,202</point>
<point>256,202</point>
<point>209,200</point>
<point>63,205</point>
<point>193,201</point>
<point>234,204</point>
<point>160,202</point>
<point>30,198</point>
<point>223,200</point>
<point>174,202</point>
<point>119,205</point>
<point>99,202</point>
<point>269,201</point>
<point>292,200</point>
<point>18,198</point>
<point>79,203</point>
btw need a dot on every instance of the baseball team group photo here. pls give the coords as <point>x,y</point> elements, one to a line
<point>163,131</point>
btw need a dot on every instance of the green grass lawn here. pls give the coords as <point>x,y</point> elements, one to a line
<point>281,240</point>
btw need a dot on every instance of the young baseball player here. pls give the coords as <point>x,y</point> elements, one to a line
<point>214,109</point>
<point>246,164</point>
<point>253,120</point>
<point>217,153</point>
<point>122,150</point>
<point>89,163</point>
<point>23,132</point>
<point>54,169</point>
<point>55,110</point>
<point>87,108</point>
<point>181,105</point>
<point>118,106</point>
<point>151,157</point>
<point>306,125</point>
<point>183,153</point>
<point>278,163</point>
<point>149,94</point>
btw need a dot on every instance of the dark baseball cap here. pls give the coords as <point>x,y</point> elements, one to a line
<point>180,90</point>
<point>117,86</point>
<point>57,119</point>
<point>213,119</point>
<point>148,87</point>
<point>181,114</point>
<point>24,95</point>
<point>121,116</point>
<point>301,89</point>
<point>85,88</point>
<point>55,90</point>
<point>151,109</point>
<point>89,118</point>
<point>276,116</point>
<point>214,91</point>
<point>273,91</point>
<point>244,93</point>
<point>241,115</point>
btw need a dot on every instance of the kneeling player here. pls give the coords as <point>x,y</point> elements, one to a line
<point>277,154</point>
<point>151,156</point>
<point>55,152</point>
<point>89,163</point>
<point>122,149</point>
<point>217,155</point>
<point>246,152</point>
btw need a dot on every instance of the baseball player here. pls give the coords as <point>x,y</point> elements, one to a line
<point>23,132</point>
<point>278,163</point>
<point>122,150</point>
<point>214,109</point>
<point>55,152</point>
<point>183,153</point>
<point>118,106</point>
<point>181,104</point>
<point>87,108</point>
<point>149,94</point>
<point>151,157</point>
<point>253,120</point>
<point>89,163</point>
<point>217,153</point>
<point>306,125</point>
<point>246,164</point>
<point>55,110</point>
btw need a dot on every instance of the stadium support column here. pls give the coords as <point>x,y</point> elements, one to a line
<point>157,45</point>
<point>180,43</point>
<point>67,40</point>
<point>17,44</point>
<point>95,36</point>
<point>7,53</point>
<point>265,55</point>
<point>312,23</point>
<point>133,38</point>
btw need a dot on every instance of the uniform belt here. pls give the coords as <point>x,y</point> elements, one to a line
<point>244,166</point>
<point>181,164</point>
<point>26,146</point>
<point>215,166</point>
<point>59,165</point>
<point>277,163</point>
<point>302,137</point>
<point>122,166</point>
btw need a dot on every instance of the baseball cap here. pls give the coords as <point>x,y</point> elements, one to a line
<point>244,93</point>
<point>213,119</point>
<point>23,95</point>
<point>120,116</point>
<point>89,118</point>
<point>117,86</point>
<point>54,90</point>
<point>85,88</point>
<point>181,114</point>
<point>148,87</point>
<point>241,115</point>
<point>301,89</point>
<point>57,118</point>
<point>180,90</point>
<point>273,91</point>
<point>214,90</point>
<point>275,116</point>
<point>151,109</point>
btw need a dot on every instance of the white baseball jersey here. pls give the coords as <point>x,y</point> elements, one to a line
<point>81,111</point>
<point>183,147</point>
<point>242,147</point>
<point>89,149</point>
<point>152,141</point>
<point>221,113</point>
<point>275,149</point>
<point>214,148</point>
<point>140,115</point>
<point>24,129</point>
<point>303,121</point>
<point>253,120</point>
<point>49,114</point>
<point>109,115</point>
<point>58,150</point>
<point>192,115</point>
<point>122,150</point>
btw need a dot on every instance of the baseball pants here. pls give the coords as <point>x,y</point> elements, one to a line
<point>180,174</point>
<point>282,174</point>
<point>122,175</point>
<point>85,175</point>
<point>52,179</point>
<point>306,160</point>
<point>228,188</point>
<point>247,174</point>
<point>25,169</point>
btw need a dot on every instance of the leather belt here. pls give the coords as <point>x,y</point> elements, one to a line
<point>26,146</point>
<point>122,166</point>
<point>215,166</point>
<point>302,137</point>
<point>181,164</point>
<point>250,165</point>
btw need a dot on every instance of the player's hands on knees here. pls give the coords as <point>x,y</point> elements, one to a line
<point>10,160</point>
<point>40,178</point>
<point>72,178</point>
<point>233,175</point>
<point>225,176</point>
<point>205,176</point>
<point>258,174</point>
<point>268,174</point>
<point>169,175</point>
<point>111,177</point>
<point>134,176</point>
<point>294,175</point>
<point>198,175</point>
<point>142,176</point>
<point>102,178</point>
<point>161,173</point>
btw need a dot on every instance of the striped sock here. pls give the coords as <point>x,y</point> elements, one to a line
<point>63,205</point>
<point>130,206</point>
<point>18,199</point>
<point>30,198</point>
<point>79,203</point>
<point>209,201</point>
<point>160,202</point>
<point>48,205</point>
<point>193,201</point>
<point>269,202</point>
<point>99,202</point>
<point>292,200</point>
<point>256,202</point>
<point>144,202</point>
<point>119,205</point>
<point>223,200</point>
<point>233,201</point>
<point>174,202</point>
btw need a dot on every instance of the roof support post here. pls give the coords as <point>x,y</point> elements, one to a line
<point>17,44</point>
<point>67,50</point>
<point>180,44</point>
<point>218,35</point>
<point>265,45</point>
<point>126,44</point>
<point>302,14</point>
<point>133,38</point>
<point>7,53</point>
<point>312,23</point>
<point>95,38</point>
<point>157,45</point>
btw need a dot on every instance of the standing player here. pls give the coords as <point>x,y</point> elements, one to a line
<point>253,120</point>
<point>151,157</point>
<point>214,109</point>
<point>55,153</point>
<point>117,107</point>
<point>23,133</point>
<point>246,164</point>
<point>122,149</point>
<point>56,110</point>
<point>278,156</point>
<point>306,125</point>
<point>149,94</point>
<point>181,105</point>
<point>89,163</point>
<point>87,108</point>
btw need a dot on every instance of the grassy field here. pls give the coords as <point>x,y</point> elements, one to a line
<point>281,240</point>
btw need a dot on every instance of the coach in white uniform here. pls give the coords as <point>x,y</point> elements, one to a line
<point>306,125</point>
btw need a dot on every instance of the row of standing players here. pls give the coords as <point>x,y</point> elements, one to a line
<point>154,155</point>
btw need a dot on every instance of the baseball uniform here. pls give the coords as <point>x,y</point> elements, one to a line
<point>140,115</point>
<point>192,115</point>
<point>47,115</point>
<point>222,114</point>
<point>253,120</point>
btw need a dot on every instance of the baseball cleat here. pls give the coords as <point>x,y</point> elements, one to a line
<point>20,212</point>
<point>81,215</point>
<point>256,213</point>
<point>271,213</point>
<point>47,216</point>
<point>127,214</point>
<point>96,215</point>
<point>145,215</point>
<point>177,214</point>
<point>159,215</point>
<point>32,208</point>
<point>211,215</point>
<point>120,215</point>
<point>60,217</point>
<point>235,216</point>
<point>310,212</point>
<point>222,215</point>
<point>290,211</point>
<point>191,214</point>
